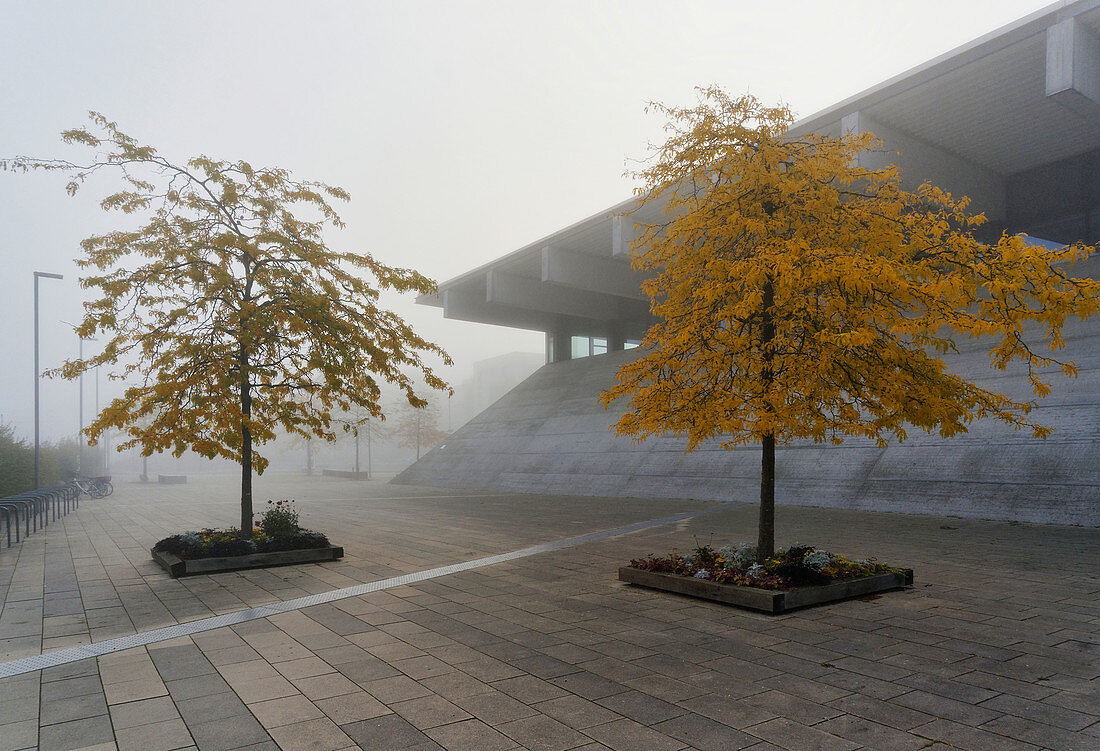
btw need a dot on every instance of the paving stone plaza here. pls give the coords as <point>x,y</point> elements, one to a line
<point>995,647</point>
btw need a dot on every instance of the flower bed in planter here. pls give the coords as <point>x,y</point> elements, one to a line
<point>276,541</point>
<point>177,567</point>
<point>794,578</point>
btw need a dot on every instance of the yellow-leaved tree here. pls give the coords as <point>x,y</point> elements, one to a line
<point>230,310</point>
<point>800,296</point>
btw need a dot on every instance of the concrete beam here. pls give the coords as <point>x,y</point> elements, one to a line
<point>590,273</point>
<point>625,227</point>
<point>462,305</point>
<point>502,288</point>
<point>1073,68</point>
<point>922,161</point>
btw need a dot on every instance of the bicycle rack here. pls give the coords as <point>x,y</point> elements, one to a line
<point>35,507</point>
<point>11,509</point>
<point>7,522</point>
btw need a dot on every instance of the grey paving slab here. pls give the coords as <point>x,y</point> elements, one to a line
<point>471,734</point>
<point>318,734</point>
<point>641,707</point>
<point>705,734</point>
<point>542,733</point>
<point>989,647</point>
<point>388,733</point>
<point>76,734</point>
<point>576,712</point>
<point>218,706</point>
<point>496,707</point>
<point>163,735</point>
<point>869,734</point>
<point>73,708</point>
<point>144,712</point>
<point>20,734</point>
<point>227,733</point>
<point>795,736</point>
<point>627,735</point>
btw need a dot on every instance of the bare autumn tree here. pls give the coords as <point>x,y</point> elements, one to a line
<point>230,309</point>
<point>360,425</point>
<point>418,427</point>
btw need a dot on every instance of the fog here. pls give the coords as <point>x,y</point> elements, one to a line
<point>462,130</point>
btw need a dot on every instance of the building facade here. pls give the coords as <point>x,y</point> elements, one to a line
<point>1011,120</point>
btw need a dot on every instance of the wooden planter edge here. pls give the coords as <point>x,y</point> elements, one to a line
<point>177,567</point>
<point>766,600</point>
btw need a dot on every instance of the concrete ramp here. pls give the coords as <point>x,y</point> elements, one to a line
<point>549,435</point>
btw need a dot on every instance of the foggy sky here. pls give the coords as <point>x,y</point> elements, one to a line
<point>463,130</point>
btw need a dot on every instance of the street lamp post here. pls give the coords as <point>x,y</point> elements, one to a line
<point>37,375</point>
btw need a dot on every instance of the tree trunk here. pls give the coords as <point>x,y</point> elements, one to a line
<point>357,453</point>
<point>765,541</point>
<point>246,446</point>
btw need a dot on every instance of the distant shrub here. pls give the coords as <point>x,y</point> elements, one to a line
<point>56,462</point>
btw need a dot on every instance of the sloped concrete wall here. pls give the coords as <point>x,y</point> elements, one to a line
<point>549,435</point>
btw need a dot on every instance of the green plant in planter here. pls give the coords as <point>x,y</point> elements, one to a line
<point>276,530</point>
<point>797,566</point>
<point>279,520</point>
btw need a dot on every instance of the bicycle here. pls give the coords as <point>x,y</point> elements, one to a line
<point>96,487</point>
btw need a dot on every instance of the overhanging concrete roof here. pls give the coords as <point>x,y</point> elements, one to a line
<point>1020,97</point>
<point>1003,101</point>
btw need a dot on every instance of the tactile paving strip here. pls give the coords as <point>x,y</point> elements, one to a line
<point>107,646</point>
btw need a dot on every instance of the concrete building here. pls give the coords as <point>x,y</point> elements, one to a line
<point>1011,120</point>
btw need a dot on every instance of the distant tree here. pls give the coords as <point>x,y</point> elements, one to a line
<point>231,309</point>
<point>306,442</point>
<point>360,424</point>
<point>418,427</point>
<point>801,296</point>
<point>58,461</point>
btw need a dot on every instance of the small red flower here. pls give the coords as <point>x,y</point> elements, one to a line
<point>257,523</point>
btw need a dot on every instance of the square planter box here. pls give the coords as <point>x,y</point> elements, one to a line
<point>177,567</point>
<point>766,600</point>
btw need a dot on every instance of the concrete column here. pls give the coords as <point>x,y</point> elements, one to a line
<point>615,339</point>
<point>558,346</point>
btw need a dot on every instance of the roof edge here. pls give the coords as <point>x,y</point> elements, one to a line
<point>993,41</point>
